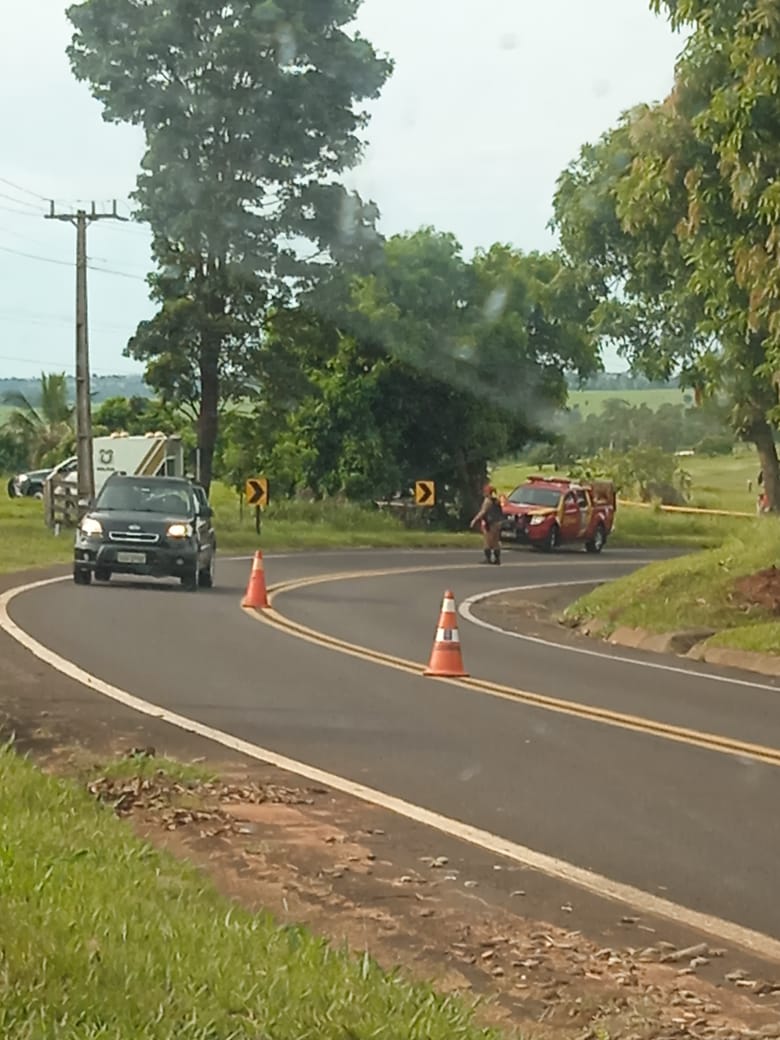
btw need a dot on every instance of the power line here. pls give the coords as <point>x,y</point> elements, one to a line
<point>21,212</point>
<point>18,187</point>
<point>26,238</point>
<point>60,364</point>
<point>30,318</point>
<point>33,256</point>
<point>136,232</point>
<point>68,263</point>
<point>14,234</point>
<point>119,274</point>
<point>20,202</point>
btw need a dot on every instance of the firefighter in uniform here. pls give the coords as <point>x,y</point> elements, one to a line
<point>490,517</point>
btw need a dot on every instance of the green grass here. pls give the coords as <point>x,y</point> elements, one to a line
<point>104,937</point>
<point>722,482</point>
<point>330,524</point>
<point>25,541</point>
<point>146,767</point>
<point>650,528</point>
<point>761,638</point>
<point>690,591</point>
<point>593,401</point>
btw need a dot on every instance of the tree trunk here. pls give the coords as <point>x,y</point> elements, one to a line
<point>762,437</point>
<point>471,478</point>
<point>208,417</point>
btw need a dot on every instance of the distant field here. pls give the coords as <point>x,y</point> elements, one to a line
<point>718,483</point>
<point>590,401</point>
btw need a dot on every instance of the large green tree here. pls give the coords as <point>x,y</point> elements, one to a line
<point>430,366</point>
<point>251,111</point>
<point>655,216</point>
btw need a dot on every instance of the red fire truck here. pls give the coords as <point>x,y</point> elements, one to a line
<point>546,512</point>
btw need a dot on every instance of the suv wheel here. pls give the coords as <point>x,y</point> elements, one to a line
<point>206,576</point>
<point>102,574</point>
<point>82,575</point>
<point>190,579</point>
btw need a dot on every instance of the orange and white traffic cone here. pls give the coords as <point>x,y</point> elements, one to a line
<point>256,596</point>
<point>446,657</point>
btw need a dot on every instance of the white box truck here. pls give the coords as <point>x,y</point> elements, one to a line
<point>153,454</point>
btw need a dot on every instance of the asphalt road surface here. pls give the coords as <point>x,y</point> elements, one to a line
<point>696,826</point>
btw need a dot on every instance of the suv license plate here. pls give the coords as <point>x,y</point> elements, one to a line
<point>130,557</point>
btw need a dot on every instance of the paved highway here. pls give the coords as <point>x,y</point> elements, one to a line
<point>659,812</point>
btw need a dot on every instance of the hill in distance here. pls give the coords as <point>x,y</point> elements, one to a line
<point>102,387</point>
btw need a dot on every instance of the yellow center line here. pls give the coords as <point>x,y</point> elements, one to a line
<point>604,716</point>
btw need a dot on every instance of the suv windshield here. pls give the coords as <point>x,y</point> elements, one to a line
<point>136,495</point>
<point>535,496</point>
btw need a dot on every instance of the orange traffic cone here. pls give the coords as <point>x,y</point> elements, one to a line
<point>446,658</point>
<point>256,596</point>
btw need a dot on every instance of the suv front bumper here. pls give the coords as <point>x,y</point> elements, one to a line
<point>155,561</point>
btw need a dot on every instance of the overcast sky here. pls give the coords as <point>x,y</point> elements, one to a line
<point>490,99</point>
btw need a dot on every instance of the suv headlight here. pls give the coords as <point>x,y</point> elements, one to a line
<point>537,520</point>
<point>180,531</point>
<point>91,528</point>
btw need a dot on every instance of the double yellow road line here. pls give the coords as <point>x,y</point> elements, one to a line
<point>634,723</point>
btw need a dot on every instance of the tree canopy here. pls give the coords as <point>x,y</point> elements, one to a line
<point>250,111</point>
<point>428,367</point>
<point>672,220</point>
<point>43,431</point>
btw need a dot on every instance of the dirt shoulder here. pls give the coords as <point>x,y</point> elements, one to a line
<point>547,957</point>
<point>534,612</point>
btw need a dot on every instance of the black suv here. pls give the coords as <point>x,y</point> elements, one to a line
<point>160,527</point>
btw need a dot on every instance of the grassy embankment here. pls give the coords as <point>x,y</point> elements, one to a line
<point>105,937</point>
<point>695,591</point>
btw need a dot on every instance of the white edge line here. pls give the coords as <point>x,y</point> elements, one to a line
<point>762,945</point>
<point>467,613</point>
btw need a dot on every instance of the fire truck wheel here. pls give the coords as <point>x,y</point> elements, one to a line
<point>553,539</point>
<point>598,541</point>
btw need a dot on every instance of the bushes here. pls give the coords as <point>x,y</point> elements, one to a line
<point>644,471</point>
<point>716,444</point>
<point>12,453</point>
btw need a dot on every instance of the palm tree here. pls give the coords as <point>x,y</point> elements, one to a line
<point>42,430</point>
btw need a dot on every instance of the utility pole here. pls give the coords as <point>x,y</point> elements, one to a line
<point>86,472</point>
